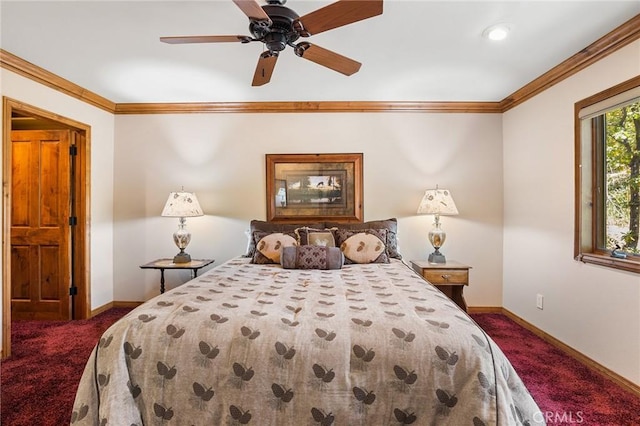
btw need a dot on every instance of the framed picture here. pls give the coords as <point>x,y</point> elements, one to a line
<point>314,187</point>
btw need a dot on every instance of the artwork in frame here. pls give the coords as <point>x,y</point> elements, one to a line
<point>314,187</point>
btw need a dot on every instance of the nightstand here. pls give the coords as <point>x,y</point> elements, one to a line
<point>450,277</point>
<point>163,264</point>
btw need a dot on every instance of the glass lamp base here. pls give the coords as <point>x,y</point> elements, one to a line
<point>437,237</point>
<point>182,237</point>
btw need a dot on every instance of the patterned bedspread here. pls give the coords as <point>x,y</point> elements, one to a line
<point>261,345</point>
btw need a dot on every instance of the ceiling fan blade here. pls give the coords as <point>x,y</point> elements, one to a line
<point>342,12</point>
<point>327,58</point>
<point>206,39</point>
<point>266,64</point>
<point>253,10</point>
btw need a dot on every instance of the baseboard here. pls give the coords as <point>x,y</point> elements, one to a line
<point>101,309</point>
<point>126,304</point>
<point>580,357</point>
<point>115,304</point>
<point>484,310</point>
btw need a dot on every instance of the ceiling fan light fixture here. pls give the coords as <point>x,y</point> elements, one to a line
<point>497,32</point>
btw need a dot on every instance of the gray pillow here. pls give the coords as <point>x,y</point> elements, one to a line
<point>311,257</point>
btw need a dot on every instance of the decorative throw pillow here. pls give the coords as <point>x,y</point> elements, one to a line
<point>391,225</point>
<point>367,246</point>
<point>315,237</point>
<point>270,227</point>
<point>269,246</point>
<point>311,257</point>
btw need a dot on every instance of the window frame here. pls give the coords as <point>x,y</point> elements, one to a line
<point>587,214</point>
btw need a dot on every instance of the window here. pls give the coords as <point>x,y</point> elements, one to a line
<point>608,177</point>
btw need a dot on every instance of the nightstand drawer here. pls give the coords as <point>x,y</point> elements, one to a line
<point>450,278</point>
<point>447,276</point>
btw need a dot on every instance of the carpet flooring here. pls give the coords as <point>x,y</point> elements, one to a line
<point>38,382</point>
<point>566,390</point>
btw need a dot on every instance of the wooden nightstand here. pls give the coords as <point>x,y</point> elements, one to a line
<point>450,277</point>
<point>163,264</point>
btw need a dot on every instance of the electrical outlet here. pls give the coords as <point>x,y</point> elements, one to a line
<point>539,301</point>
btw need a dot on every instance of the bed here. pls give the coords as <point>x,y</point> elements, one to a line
<point>262,343</point>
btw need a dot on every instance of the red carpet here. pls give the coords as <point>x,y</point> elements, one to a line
<point>39,381</point>
<point>566,391</point>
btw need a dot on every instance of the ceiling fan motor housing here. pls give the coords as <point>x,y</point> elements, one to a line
<point>281,32</point>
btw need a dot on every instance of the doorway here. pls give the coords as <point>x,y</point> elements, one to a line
<point>46,248</point>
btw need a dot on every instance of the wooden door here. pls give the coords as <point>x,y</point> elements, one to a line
<point>40,229</point>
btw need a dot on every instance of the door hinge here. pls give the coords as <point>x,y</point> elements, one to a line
<point>73,150</point>
<point>73,291</point>
<point>73,221</point>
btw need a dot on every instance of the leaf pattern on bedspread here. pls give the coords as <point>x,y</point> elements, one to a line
<point>260,345</point>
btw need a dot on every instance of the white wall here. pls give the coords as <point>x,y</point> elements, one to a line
<point>102,129</point>
<point>593,309</point>
<point>222,158</point>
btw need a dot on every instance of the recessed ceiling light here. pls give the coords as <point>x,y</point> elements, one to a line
<point>497,32</point>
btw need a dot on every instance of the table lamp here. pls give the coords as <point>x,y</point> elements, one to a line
<point>182,205</point>
<point>437,202</point>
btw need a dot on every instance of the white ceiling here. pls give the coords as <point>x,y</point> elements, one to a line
<point>419,50</point>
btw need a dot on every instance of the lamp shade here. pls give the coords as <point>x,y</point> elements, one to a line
<point>182,204</point>
<point>437,201</point>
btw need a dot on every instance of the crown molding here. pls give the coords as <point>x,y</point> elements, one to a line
<point>319,106</point>
<point>615,40</point>
<point>33,72</point>
<point>618,38</point>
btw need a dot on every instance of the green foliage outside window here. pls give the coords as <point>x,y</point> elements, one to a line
<point>622,167</point>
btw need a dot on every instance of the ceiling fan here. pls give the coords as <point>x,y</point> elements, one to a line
<point>277,27</point>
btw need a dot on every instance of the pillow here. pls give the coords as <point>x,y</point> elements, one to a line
<point>269,246</point>
<point>367,246</point>
<point>315,237</point>
<point>270,227</point>
<point>311,257</point>
<point>391,225</point>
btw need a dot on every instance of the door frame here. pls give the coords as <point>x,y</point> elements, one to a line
<point>81,235</point>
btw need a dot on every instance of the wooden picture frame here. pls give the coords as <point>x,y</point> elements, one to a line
<point>314,187</point>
